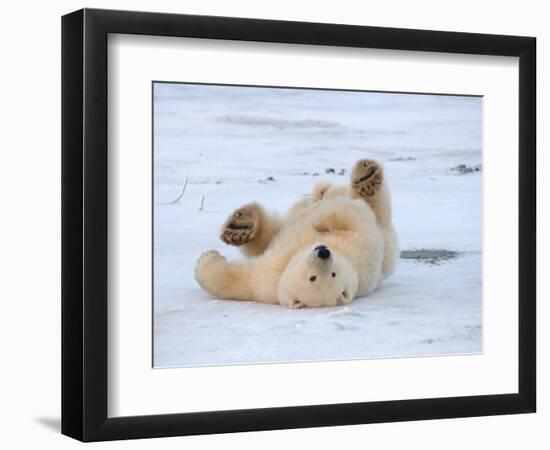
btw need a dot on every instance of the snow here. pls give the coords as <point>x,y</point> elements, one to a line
<point>228,141</point>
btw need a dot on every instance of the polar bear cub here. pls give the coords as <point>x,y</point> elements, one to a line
<point>330,247</point>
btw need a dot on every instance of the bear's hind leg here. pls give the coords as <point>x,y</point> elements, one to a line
<point>367,178</point>
<point>250,228</point>
<point>368,183</point>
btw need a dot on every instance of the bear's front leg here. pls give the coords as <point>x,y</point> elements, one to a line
<point>242,226</point>
<point>223,279</point>
<point>250,228</point>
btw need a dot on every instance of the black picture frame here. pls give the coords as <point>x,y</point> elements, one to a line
<point>84,224</point>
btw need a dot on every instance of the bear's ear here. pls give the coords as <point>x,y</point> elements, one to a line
<point>295,304</point>
<point>345,297</point>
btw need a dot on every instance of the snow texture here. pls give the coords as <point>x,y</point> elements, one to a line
<point>234,145</point>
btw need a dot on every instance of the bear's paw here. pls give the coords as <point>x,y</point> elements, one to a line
<point>367,178</point>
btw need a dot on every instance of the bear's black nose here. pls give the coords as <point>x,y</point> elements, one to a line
<point>322,251</point>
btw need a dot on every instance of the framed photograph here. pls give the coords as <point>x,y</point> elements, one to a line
<point>272,224</point>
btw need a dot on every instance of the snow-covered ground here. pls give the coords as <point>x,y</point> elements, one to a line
<point>228,141</point>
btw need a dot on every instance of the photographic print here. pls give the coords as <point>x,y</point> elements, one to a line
<point>299,224</point>
<point>333,207</point>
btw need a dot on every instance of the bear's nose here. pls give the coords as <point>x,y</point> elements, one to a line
<point>322,251</point>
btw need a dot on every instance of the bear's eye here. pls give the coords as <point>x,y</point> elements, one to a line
<point>312,278</point>
<point>333,274</point>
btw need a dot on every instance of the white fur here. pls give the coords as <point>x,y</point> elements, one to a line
<point>357,230</point>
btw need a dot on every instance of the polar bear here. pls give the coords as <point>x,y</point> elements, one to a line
<point>331,247</point>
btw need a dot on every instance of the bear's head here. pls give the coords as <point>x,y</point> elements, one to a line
<point>317,276</point>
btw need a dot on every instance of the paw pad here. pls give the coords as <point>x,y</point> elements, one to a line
<point>241,227</point>
<point>367,177</point>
